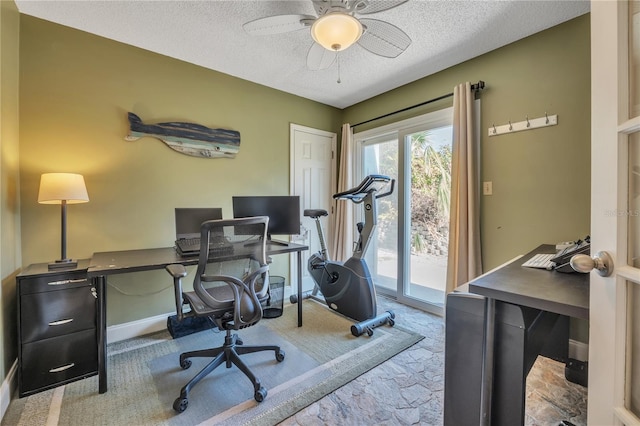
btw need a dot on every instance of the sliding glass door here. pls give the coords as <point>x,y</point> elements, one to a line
<point>408,255</point>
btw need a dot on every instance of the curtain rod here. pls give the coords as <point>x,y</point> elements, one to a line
<point>474,88</point>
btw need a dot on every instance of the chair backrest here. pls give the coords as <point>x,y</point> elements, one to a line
<point>233,260</point>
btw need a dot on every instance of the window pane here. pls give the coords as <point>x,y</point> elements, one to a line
<point>429,228</point>
<point>382,256</point>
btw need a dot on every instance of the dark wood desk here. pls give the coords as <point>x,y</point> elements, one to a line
<point>565,294</point>
<point>121,262</point>
<point>495,332</point>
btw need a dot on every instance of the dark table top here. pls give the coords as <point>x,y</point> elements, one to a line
<point>125,261</point>
<point>42,269</point>
<point>562,293</point>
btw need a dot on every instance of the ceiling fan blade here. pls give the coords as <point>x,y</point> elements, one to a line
<point>383,38</point>
<point>320,58</point>
<point>278,24</point>
<point>367,7</point>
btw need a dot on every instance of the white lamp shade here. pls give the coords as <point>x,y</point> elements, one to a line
<point>56,187</point>
<point>336,31</point>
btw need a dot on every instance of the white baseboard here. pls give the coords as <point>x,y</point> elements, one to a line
<point>8,388</point>
<point>578,350</point>
<point>115,333</point>
<point>132,329</point>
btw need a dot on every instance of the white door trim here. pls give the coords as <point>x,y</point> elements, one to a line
<point>293,128</point>
<point>610,127</point>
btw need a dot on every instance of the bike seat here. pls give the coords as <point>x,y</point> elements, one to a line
<point>315,213</point>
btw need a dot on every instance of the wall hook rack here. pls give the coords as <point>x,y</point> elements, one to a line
<point>527,124</point>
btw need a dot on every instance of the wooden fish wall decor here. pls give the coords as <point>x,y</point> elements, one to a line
<point>188,138</point>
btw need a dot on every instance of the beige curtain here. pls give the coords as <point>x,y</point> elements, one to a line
<point>342,243</point>
<point>464,262</point>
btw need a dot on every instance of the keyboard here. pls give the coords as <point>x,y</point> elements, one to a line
<point>191,246</point>
<point>188,245</point>
<point>541,261</point>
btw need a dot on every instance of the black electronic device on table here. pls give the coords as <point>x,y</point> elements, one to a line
<point>283,212</point>
<point>188,222</point>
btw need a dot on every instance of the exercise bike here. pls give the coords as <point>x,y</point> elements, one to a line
<point>347,287</point>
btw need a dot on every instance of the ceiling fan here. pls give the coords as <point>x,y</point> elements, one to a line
<point>337,26</point>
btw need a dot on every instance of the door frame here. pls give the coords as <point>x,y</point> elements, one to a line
<point>328,225</point>
<point>610,129</point>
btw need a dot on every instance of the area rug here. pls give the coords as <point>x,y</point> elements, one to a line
<point>145,378</point>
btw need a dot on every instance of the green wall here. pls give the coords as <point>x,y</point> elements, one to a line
<point>76,88</point>
<point>10,259</point>
<point>541,177</point>
<point>70,115</point>
<point>75,92</point>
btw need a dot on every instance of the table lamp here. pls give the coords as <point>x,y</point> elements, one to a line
<point>63,189</point>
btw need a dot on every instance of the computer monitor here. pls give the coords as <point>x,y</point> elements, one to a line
<point>188,220</point>
<point>283,211</point>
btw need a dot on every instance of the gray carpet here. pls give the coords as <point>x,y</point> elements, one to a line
<point>144,376</point>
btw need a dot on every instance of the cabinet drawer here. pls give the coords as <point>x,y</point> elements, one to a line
<point>53,282</point>
<point>56,361</point>
<point>55,313</point>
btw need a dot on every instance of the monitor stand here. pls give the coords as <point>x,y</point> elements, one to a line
<point>277,243</point>
<point>269,242</point>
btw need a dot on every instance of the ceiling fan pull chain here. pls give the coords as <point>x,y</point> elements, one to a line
<point>338,60</point>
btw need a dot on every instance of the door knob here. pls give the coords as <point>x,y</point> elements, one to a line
<point>602,261</point>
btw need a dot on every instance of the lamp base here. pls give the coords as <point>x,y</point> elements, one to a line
<point>63,264</point>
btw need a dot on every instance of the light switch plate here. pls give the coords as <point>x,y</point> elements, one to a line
<point>487,188</point>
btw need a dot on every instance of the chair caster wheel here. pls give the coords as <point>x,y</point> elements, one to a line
<point>280,356</point>
<point>239,341</point>
<point>180,404</point>
<point>185,363</point>
<point>293,299</point>
<point>391,322</point>
<point>260,395</point>
<point>369,331</point>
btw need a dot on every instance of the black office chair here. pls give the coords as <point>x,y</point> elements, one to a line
<point>230,285</point>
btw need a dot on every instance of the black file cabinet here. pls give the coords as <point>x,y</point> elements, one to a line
<point>57,333</point>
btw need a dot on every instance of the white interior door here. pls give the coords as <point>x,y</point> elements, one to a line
<point>313,178</point>
<point>614,324</point>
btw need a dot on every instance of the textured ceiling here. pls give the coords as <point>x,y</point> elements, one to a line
<point>210,34</point>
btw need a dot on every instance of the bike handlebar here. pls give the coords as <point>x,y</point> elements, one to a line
<point>390,191</point>
<point>368,184</point>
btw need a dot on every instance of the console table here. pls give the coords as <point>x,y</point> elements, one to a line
<point>495,332</point>
<point>104,264</point>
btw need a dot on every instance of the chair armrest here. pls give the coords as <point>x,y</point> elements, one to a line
<point>178,272</point>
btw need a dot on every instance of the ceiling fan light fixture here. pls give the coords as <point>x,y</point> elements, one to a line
<point>336,31</point>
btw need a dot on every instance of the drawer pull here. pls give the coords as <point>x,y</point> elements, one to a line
<point>63,282</point>
<point>59,369</point>
<point>60,322</point>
